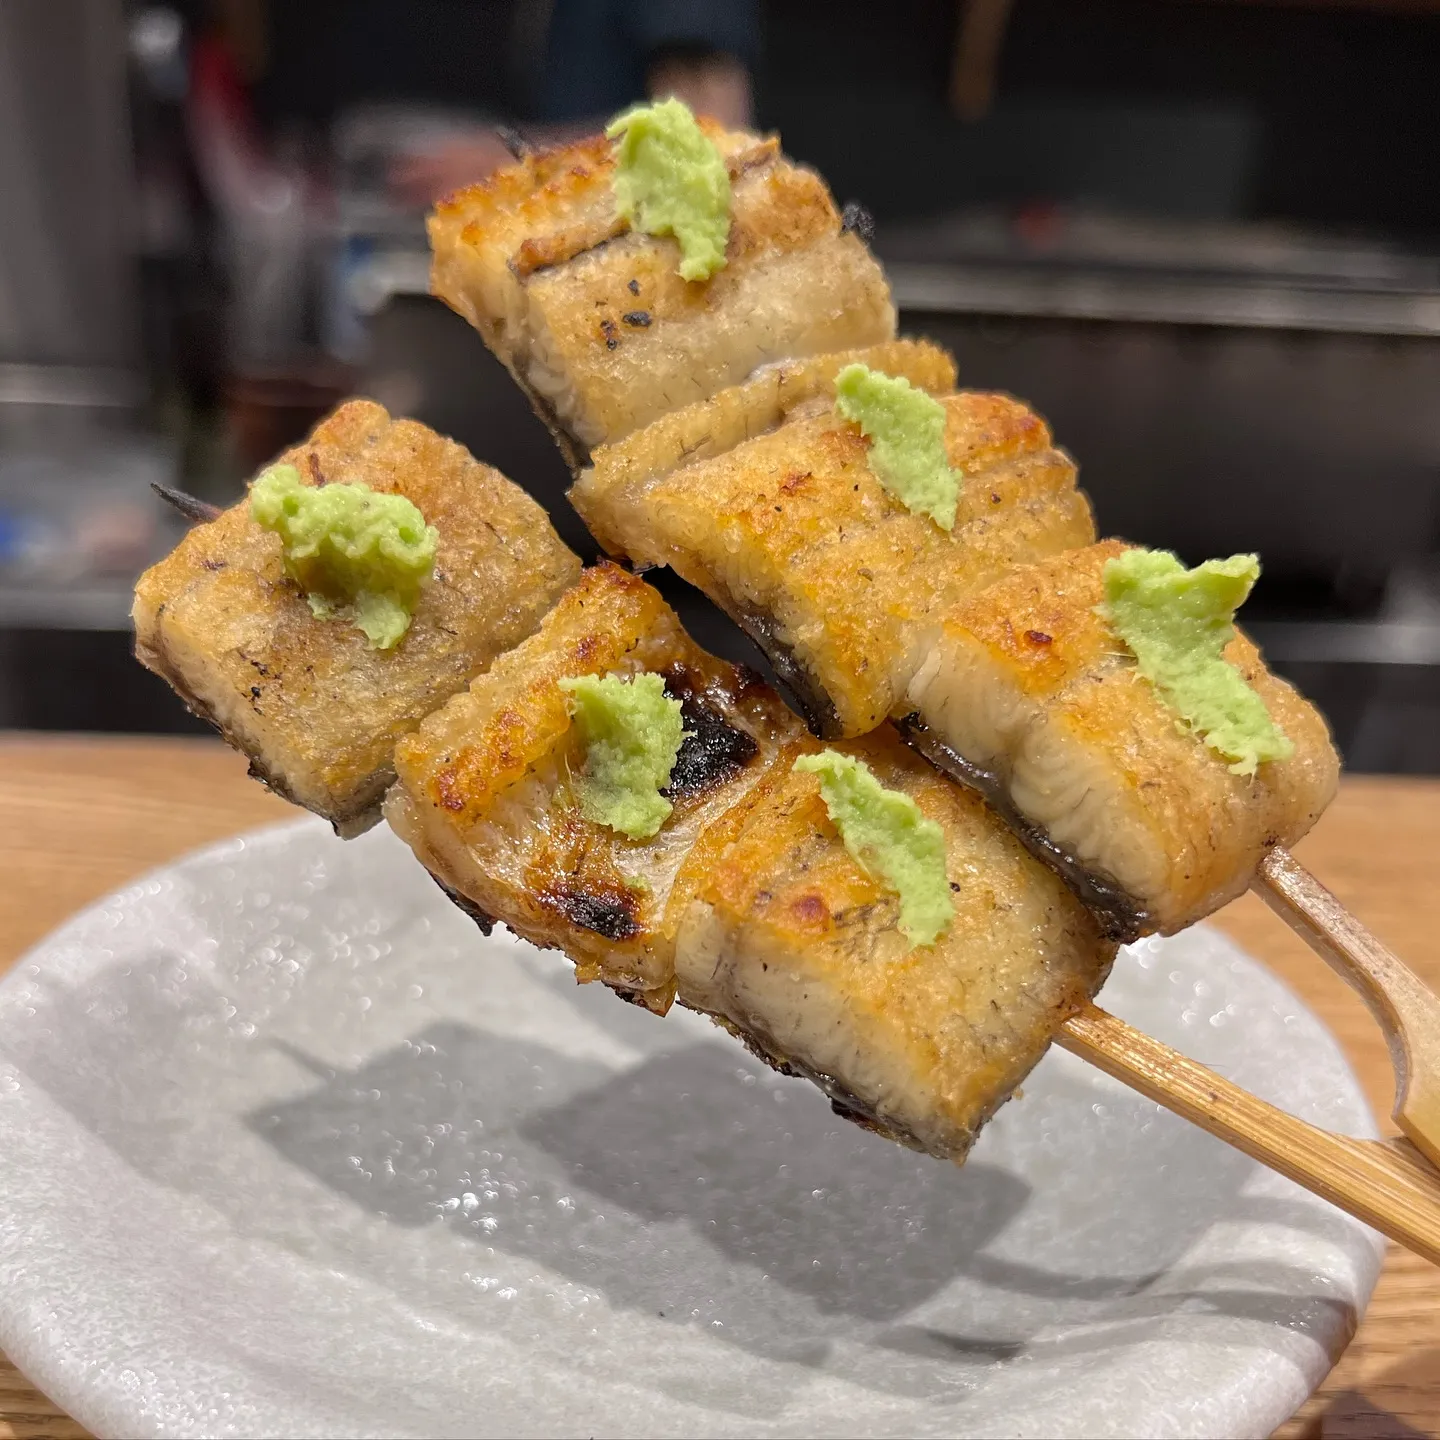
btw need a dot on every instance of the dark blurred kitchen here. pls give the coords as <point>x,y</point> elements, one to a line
<point>1203,239</point>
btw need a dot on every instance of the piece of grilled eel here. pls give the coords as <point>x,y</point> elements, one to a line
<point>485,797</point>
<point>1030,697</point>
<point>764,498</point>
<point>592,317</point>
<point>746,905</point>
<point>317,710</point>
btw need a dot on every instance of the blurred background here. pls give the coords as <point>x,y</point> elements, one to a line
<point>1202,238</point>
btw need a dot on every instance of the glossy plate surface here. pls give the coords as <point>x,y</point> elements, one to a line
<point>289,1148</point>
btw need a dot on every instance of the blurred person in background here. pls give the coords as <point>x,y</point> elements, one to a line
<point>554,68</point>
<point>595,57</point>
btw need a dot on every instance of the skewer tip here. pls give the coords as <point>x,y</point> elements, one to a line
<point>857,218</point>
<point>189,506</point>
<point>514,141</point>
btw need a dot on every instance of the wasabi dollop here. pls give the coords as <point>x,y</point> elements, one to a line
<point>906,431</point>
<point>632,732</point>
<point>671,180</point>
<point>1178,623</point>
<point>885,831</point>
<point>356,553</point>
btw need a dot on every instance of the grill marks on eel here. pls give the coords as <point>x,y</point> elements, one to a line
<point>713,749</point>
<point>713,752</point>
<point>611,915</point>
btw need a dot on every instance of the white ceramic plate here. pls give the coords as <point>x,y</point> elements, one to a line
<point>288,1148</point>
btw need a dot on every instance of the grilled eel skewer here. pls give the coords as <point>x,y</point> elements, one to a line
<point>1012,684</point>
<point>1181,849</point>
<point>747,482</point>
<point>747,907</point>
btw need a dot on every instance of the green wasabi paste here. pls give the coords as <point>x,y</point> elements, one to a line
<point>671,180</point>
<point>632,732</point>
<point>1178,623</point>
<point>885,831</point>
<point>906,431</point>
<point>357,554</point>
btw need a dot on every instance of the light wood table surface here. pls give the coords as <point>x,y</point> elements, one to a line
<point>81,817</point>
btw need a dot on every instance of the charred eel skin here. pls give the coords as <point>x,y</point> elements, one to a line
<point>805,697</point>
<point>1120,916</point>
<point>713,749</point>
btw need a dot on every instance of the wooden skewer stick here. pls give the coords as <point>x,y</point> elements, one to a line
<point>1407,1009</point>
<point>514,141</point>
<point>1393,1185</point>
<point>1385,1183</point>
<point>188,505</point>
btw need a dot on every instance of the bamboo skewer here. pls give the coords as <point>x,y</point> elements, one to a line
<point>1385,1183</point>
<point>1407,1010</point>
<point>1391,1184</point>
<point>193,509</point>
